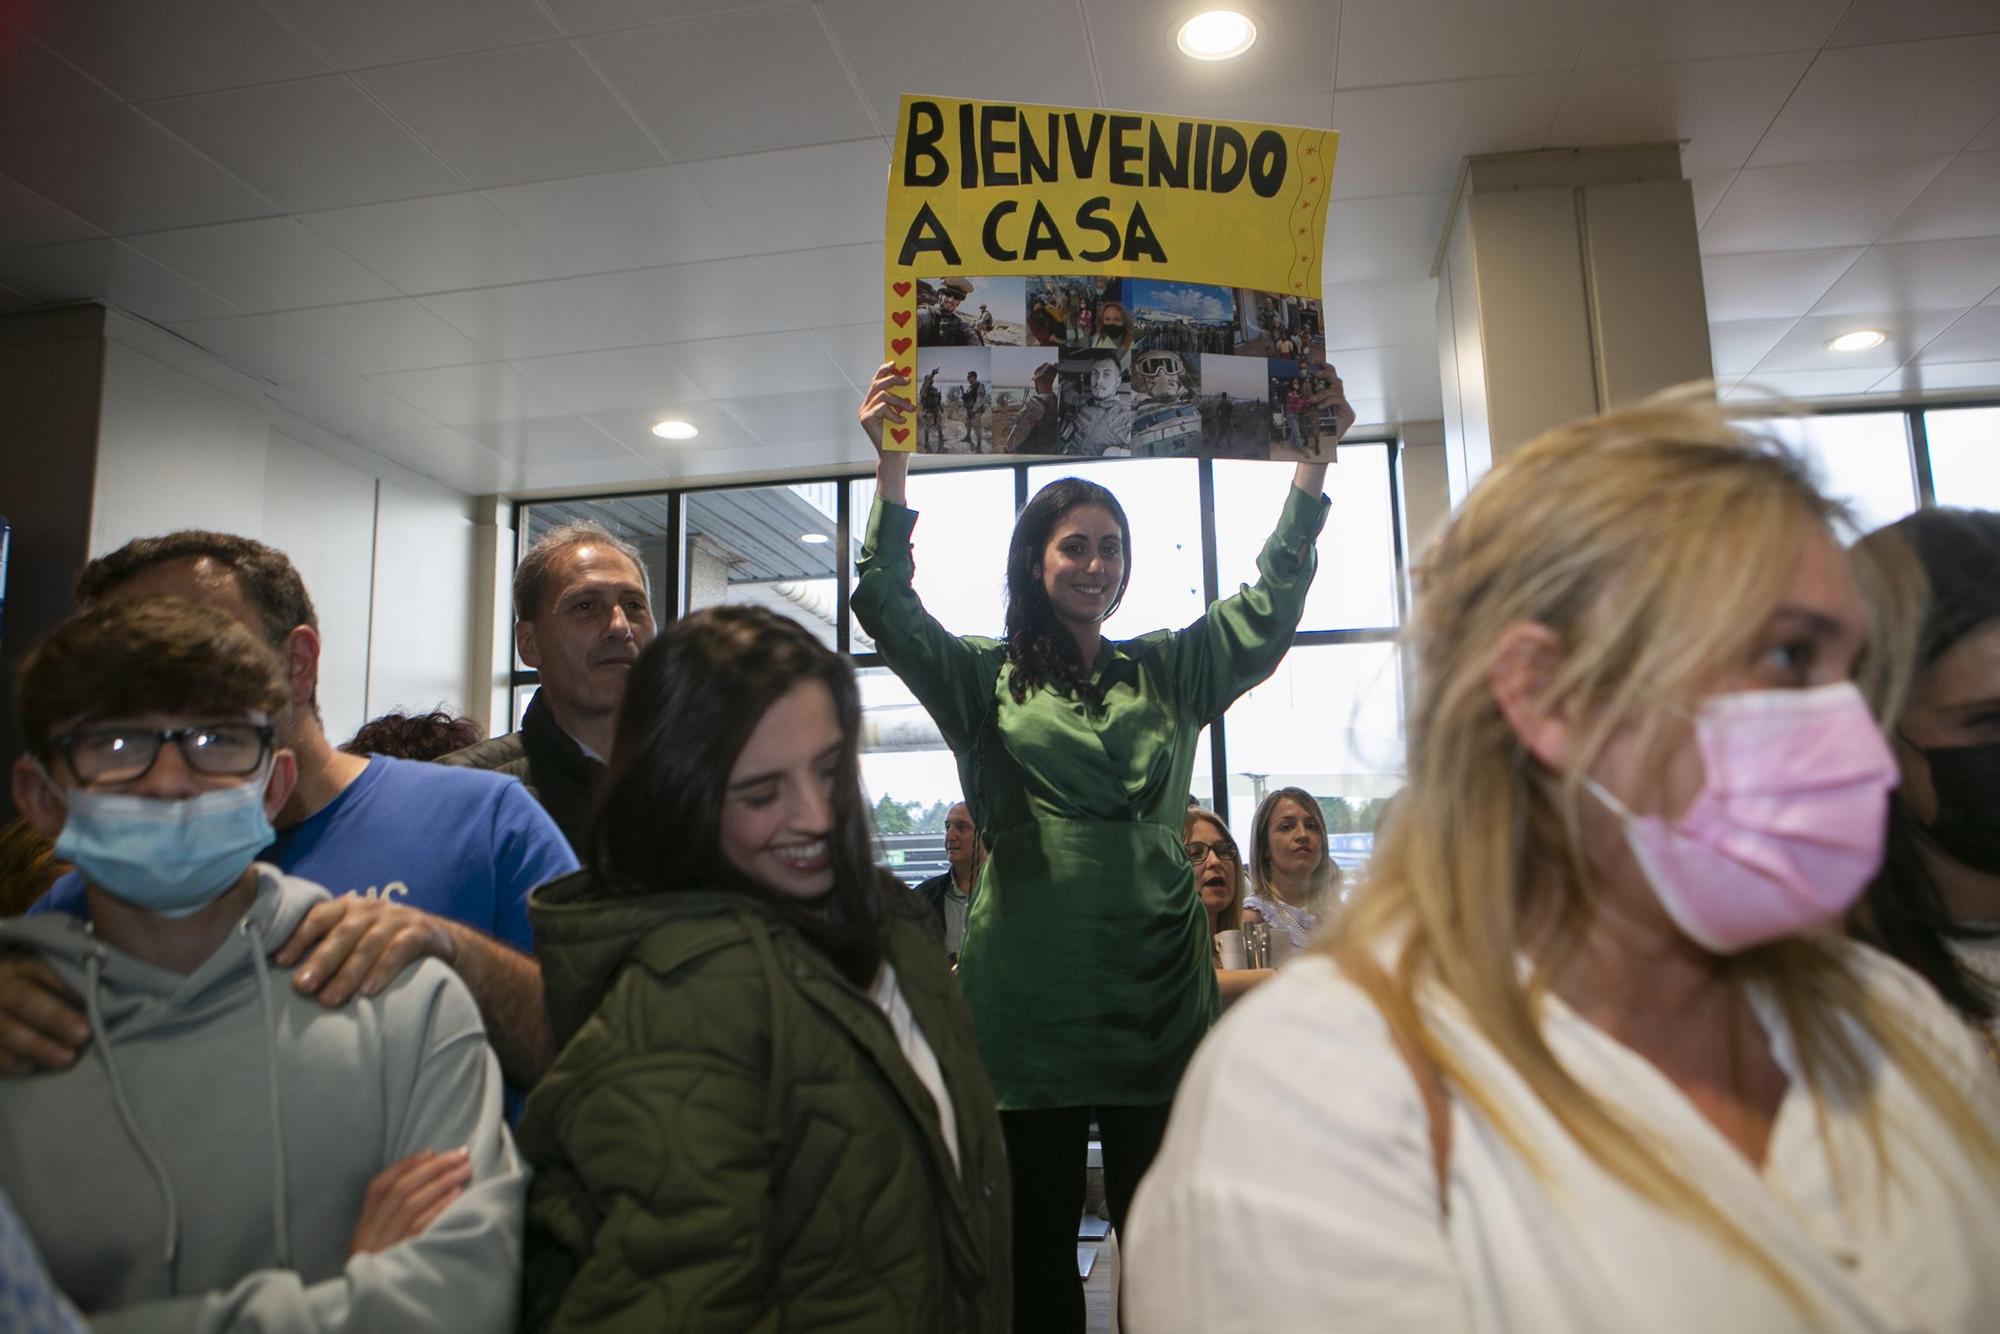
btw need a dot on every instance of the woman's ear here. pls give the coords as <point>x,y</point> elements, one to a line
<point>1524,667</point>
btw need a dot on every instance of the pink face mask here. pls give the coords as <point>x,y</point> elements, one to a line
<point>1789,822</point>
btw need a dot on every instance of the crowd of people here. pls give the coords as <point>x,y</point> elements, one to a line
<point>1668,1000</point>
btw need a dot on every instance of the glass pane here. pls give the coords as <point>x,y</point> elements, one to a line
<point>1355,587</point>
<point>768,546</point>
<point>960,546</point>
<point>1965,456</point>
<point>906,773</point>
<point>1861,459</point>
<point>1162,500</point>
<point>640,520</point>
<point>1330,720</point>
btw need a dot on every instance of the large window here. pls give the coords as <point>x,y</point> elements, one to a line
<point>1965,456</point>
<point>1861,459</point>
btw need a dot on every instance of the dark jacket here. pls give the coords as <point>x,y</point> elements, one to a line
<point>549,763</point>
<point>732,1140</point>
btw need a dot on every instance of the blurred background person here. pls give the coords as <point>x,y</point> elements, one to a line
<point>1219,880</point>
<point>1936,903</point>
<point>949,893</point>
<point>1295,882</point>
<point>1588,1051</point>
<point>422,736</point>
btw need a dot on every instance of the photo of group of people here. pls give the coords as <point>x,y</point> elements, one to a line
<point>1088,366</point>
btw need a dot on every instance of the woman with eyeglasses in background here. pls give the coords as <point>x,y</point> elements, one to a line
<point>1219,880</point>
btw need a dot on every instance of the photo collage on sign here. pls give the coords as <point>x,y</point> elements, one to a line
<point>1087,366</point>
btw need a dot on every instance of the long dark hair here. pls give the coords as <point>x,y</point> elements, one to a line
<point>1039,650</point>
<point>1903,910</point>
<point>695,695</point>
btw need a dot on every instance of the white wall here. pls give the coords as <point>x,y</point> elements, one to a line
<point>387,556</point>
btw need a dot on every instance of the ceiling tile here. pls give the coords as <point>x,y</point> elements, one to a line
<point>1917,275</point>
<point>1901,20</point>
<point>1769,285</point>
<point>1736,346</point>
<point>1805,347</point>
<point>535,319</point>
<point>1964,200</point>
<point>121,171</point>
<point>1409,138</point>
<point>633,428</point>
<point>452,458</point>
<point>1137,59</point>
<point>34,81</point>
<point>1390,236</point>
<point>598,15</point>
<point>354,408</point>
<point>1884,101</point>
<point>1815,205</point>
<point>1408,41</point>
<point>437,244</point>
<point>1802,385</point>
<point>676,76</point>
<point>546,440</point>
<point>355,33</point>
<point>1627,32</point>
<point>455,395</point>
<point>1709,188</point>
<point>28,219</point>
<point>758,196</point>
<point>1028,51</point>
<point>625,377</point>
<point>527,113</point>
<point>790,419</point>
<point>618,220</point>
<point>372,337</point>
<point>266,264</point>
<point>628,470</point>
<point>855,348</point>
<point>832,286</point>
<point>1382,313</point>
<point>1721,107</point>
<point>759,364</point>
<point>111,272</point>
<point>1988,139</point>
<point>1975,337</point>
<point>684,302</point>
<point>152,48</point>
<point>1313,108</point>
<point>308,144</point>
<point>1923,377</point>
<point>252,346</point>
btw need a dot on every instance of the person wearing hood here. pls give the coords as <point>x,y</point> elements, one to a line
<point>229,1153</point>
<point>768,1111</point>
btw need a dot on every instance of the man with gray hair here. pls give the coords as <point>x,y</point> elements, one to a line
<point>582,612</point>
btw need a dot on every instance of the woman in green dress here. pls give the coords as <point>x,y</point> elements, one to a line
<point>1086,959</point>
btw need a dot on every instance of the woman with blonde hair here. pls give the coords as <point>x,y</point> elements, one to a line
<point>1587,1051</point>
<point>1293,872</point>
<point>1219,880</point>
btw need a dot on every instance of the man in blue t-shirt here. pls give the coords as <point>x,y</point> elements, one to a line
<point>423,860</point>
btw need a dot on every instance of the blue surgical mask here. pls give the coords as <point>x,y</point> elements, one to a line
<point>168,856</point>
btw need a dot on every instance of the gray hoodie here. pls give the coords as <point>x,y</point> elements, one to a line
<point>201,1167</point>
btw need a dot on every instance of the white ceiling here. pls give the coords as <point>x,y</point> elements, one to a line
<point>494,240</point>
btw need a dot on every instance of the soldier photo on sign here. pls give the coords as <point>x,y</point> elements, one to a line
<point>942,323</point>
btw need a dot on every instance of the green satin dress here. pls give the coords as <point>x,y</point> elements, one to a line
<point>1086,960</point>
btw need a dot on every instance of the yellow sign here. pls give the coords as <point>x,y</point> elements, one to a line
<point>1079,281</point>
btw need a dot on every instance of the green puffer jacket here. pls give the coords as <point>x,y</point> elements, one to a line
<point>732,1140</point>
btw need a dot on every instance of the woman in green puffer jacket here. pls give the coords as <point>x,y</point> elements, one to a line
<point>769,1112</point>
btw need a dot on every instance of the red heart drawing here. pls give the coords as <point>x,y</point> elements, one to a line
<point>901,289</point>
<point>903,371</point>
<point>901,317</point>
<point>899,434</point>
<point>899,346</point>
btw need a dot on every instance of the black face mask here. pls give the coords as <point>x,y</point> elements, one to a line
<point>1966,780</point>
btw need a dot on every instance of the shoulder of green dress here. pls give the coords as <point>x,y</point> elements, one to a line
<point>1141,646</point>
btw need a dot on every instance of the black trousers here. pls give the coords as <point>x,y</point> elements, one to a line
<point>1046,1154</point>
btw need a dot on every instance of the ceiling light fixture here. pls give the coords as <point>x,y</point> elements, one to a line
<point>1218,34</point>
<point>1858,341</point>
<point>675,429</point>
<point>814,539</point>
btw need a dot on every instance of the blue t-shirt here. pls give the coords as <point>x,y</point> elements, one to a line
<point>462,844</point>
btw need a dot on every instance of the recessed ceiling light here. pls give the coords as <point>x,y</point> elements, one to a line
<point>1219,34</point>
<point>673,429</point>
<point>814,539</point>
<point>1858,341</point>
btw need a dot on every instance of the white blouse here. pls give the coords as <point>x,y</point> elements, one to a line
<point>1296,1190</point>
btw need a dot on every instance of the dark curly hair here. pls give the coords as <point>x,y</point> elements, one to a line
<point>422,736</point>
<point>694,696</point>
<point>1039,650</point>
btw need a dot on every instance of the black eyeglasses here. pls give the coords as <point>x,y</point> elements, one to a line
<point>127,754</point>
<point>1222,848</point>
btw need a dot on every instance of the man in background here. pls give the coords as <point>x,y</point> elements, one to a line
<point>950,892</point>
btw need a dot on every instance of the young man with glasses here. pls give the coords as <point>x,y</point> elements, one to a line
<point>235,1154</point>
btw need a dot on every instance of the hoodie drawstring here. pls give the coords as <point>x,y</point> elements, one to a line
<point>280,1196</point>
<point>93,973</point>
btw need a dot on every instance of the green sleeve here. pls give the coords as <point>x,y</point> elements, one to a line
<point>951,678</point>
<point>1240,640</point>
